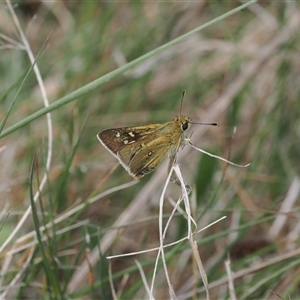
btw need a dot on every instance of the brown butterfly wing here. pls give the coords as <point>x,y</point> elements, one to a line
<point>128,141</point>
<point>140,149</point>
<point>146,156</point>
<point>116,139</point>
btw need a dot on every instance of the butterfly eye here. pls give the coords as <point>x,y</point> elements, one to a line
<point>185,126</point>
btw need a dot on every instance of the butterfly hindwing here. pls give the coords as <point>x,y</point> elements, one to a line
<point>145,158</point>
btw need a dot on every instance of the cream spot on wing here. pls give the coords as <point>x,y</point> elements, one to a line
<point>126,142</point>
<point>118,134</point>
<point>131,142</point>
<point>150,153</point>
<point>131,134</point>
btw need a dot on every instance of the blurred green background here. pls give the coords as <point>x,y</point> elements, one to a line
<point>242,72</point>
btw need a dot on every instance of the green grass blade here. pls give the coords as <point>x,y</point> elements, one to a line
<point>51,278</point>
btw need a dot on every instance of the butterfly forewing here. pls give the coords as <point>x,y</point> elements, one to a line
<point>116,139</point>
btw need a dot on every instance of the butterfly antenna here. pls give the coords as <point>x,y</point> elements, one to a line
<point>182,97</point>
<point>212,124</point>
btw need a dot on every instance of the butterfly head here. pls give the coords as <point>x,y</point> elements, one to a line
<point>184,122</point>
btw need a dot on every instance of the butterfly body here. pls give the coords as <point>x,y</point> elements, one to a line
<point>140,149</point>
